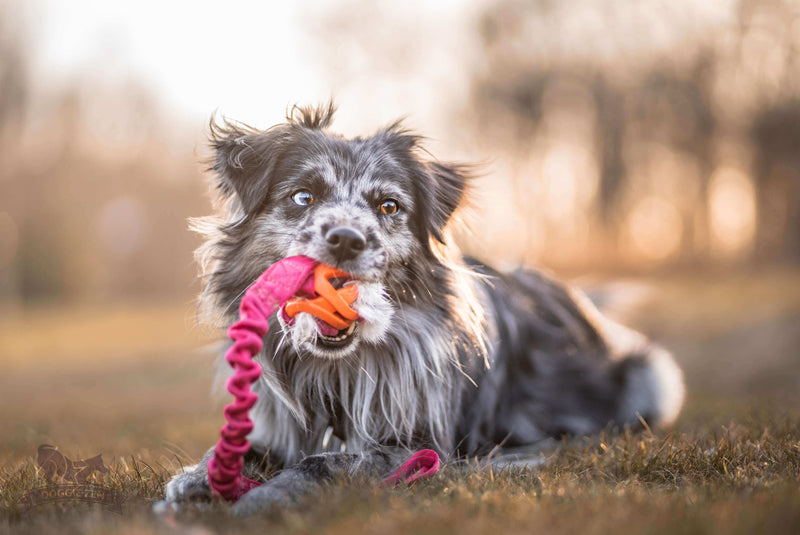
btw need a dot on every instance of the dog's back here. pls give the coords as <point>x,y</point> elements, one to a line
<point>558,367</point>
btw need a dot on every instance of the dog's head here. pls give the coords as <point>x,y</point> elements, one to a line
<point>369,206</point>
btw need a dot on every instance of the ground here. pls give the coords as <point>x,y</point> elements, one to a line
<point>133,384</point>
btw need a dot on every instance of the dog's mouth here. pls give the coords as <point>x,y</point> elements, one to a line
<point>315,331</point>
<point>330,336</point>
<point>310,334</point>
<point>333,338</point>
<point>339,282</point>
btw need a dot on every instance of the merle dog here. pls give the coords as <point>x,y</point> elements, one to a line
<point>447,353</point>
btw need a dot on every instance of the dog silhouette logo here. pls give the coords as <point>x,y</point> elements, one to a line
<point>68,481</point>
<point>54,464</point>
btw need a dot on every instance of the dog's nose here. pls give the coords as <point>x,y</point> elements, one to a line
<point>345,243</point>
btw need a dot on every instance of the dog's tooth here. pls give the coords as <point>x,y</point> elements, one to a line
<point>341,337</point>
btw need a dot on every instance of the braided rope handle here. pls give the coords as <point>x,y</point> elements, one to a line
<point>277,285</point>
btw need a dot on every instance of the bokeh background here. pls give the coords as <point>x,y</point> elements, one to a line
<point>648,151</point>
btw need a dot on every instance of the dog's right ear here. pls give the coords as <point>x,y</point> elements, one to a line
<point>245,159</point>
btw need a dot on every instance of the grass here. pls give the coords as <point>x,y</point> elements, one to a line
<point>738,478</point>
<point>731,464</point>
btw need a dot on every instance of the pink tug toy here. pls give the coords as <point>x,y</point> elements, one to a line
<point>294,276</point>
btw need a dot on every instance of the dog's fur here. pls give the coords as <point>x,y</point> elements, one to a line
<point>448,353</point>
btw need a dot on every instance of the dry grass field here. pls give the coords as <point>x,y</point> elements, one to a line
<point>133,384</point>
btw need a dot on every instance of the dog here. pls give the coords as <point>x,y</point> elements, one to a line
<point>448,353</point>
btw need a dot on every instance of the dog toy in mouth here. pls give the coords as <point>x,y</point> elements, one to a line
<point>274,288</point>
<point>332,306</point>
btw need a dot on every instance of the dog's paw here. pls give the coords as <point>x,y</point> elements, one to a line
<point>266,498</point>
<point>261,500</point>
<point>187,491</point>
<point>191,485</point>
<point>287,489</point>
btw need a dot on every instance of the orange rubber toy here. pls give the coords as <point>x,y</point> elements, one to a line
<point>332,306</point>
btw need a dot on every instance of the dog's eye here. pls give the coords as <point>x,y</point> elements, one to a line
<point>389,207</point>
<point>303,198</point>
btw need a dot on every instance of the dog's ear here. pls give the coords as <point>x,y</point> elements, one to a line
<point>438,187</point>
<point>449,184</point>
<point>245,158</point>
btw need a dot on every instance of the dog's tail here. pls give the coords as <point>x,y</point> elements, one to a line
<point>652,387</point>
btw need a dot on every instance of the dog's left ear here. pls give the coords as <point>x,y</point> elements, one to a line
<point>449,184</point>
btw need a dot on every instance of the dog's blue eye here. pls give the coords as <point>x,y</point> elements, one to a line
<point>389,207</point>
<point>303,198</point>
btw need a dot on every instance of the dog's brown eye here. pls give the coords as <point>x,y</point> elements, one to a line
<point>389,207</point>
<point>303,198</point>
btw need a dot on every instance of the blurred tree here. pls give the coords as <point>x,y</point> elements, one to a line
<point>673,109</point>
<point>14,96</point>
<point>776,134</point>
<point>14,83</point>
<point>609,139</point>
<point>659,121</point>
<point>93,193</point>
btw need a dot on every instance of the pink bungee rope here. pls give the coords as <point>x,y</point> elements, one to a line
<point>294,276</point>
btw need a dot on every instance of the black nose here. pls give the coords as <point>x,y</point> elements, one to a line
<point>345,243</point>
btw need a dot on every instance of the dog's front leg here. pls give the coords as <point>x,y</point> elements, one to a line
<point>293,483</point>
<point>191,484</point>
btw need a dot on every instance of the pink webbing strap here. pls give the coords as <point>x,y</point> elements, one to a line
<point>273,288</point>
<point>284,279</point>
<point>423,464</point>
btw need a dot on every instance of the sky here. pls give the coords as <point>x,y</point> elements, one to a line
<point>249,60</point>
<point>195,55</point>
<point>246,60</point>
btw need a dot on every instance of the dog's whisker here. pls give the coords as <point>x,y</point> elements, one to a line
<point>368,375</point>
<point>236,298</point>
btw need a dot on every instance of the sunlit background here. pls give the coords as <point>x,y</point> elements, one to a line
<point>613,134</point>
<point>653,140</point>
